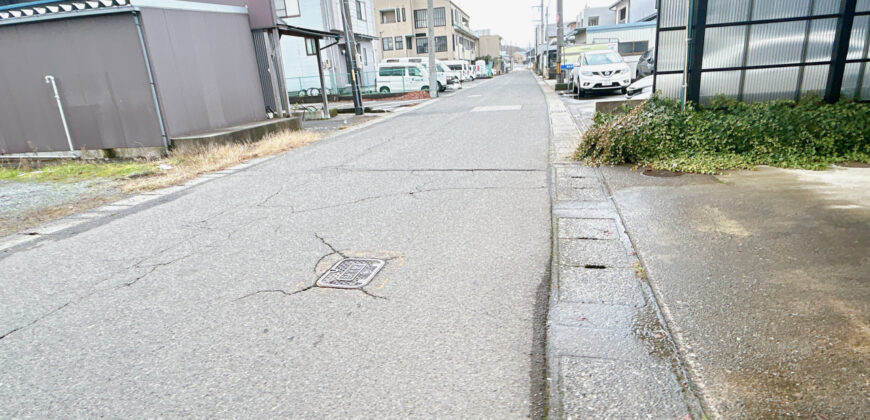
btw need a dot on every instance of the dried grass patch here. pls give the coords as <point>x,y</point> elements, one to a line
<point>190,163</point>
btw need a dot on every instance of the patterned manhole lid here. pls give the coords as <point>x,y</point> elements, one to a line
<point>350,273</point>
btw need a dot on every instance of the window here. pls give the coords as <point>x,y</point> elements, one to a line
<point>623,14</point>
<point>422,45</point>
<point>365,57</point>
<point>388,44</point>
<point>452,17</point>
<point>388,16</point>
<point>391,71</point>
<point>414,71</point>
<point>636,47</point>
<point>404,18</point>
<point>420,19</point>
<point>440,43</point>
<point>399,43</point>
<point>440,16</point>
<point>601,58</point>
<point>593,21</point>
<point>409,41</point>
<point>360,10</point>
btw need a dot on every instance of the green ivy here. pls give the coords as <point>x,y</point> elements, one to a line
<point>727,134</point>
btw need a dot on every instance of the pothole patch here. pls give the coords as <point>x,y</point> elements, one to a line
<point>351,273</point>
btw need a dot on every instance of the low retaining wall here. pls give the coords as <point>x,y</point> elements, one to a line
<point>238,134</point>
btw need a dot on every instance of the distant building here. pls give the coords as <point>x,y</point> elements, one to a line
<point>300,69</point>
<point>630,11</point>
<point>595,16</point>
<point>402,26</point>
<point>490,45</point>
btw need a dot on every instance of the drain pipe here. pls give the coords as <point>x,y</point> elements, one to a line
<point>50,79</point>
<point>151,82</point>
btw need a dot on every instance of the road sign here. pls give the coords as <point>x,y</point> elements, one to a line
<point>568,66</point>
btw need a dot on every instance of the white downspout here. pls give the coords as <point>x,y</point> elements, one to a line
<point>50,79</point>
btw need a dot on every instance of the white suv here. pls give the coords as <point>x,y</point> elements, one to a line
<point>600,70</point>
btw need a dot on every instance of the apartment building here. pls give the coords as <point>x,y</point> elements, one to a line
<point>403,28</point>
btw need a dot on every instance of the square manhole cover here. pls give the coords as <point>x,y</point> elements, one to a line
<point>351,273</point>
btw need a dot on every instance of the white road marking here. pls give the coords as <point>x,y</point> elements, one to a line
<point>494,108</point>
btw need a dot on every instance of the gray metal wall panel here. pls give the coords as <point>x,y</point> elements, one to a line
<point>205,69</point>
<point>101,77</point>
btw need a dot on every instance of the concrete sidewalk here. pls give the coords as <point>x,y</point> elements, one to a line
<point>609,354</point>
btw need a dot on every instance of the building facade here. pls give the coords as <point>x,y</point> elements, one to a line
<point>630,11</point>
<point>403,29</point>
<point>300,69</point>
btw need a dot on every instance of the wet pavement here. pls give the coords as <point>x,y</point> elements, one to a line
<point>763,276</point>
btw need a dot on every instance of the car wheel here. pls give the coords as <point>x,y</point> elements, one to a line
<point>425,88</point>
<point>385,90</point>
<point>581,93</point>
<point>441,87</point>
<point>624,91</point>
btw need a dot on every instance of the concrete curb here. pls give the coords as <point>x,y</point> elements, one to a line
<point>83,221</point>
<point>609,353</point>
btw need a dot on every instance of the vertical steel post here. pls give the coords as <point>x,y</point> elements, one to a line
<point>433,70</point>
<point>840,51</point>
<point>350,53</point>
<point>560,43</point>
<point>696,50</point>
<point>323,92</point>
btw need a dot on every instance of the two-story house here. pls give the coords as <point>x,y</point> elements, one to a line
<point>403,28</point>
<point>300,68</point>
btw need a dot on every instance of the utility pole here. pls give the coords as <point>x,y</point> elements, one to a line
<point>541,41</point>
<point>350,57</point>
<point>560,32</point>
<point>433,71</point>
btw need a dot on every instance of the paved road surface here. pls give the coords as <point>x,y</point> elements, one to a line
<point>202,305</point>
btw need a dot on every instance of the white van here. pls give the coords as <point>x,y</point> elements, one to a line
<point>402,77</point>
<point>480,69</point>
<point>461,68</point>
<point>441,76</point>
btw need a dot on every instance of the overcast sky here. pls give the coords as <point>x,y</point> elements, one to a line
<point>514,20</point>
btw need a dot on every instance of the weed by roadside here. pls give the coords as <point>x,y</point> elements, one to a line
<point>25,203</point>
<point>727,134</point>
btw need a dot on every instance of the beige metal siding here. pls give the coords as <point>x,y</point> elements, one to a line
<point>205,69</point>
<point>101,77</point>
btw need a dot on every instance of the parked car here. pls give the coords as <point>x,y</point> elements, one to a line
<point>462,68</point>
<point>600,70</point>
<point>641,89</point>
<point>401,77</point>
<point>442,76</point>
<point>646,65</point>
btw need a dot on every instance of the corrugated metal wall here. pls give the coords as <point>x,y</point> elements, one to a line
<point>205,69</point>
<point>757,50</point>
<point>101,77</point>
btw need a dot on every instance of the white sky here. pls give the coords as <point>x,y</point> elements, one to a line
<point>515,20</point>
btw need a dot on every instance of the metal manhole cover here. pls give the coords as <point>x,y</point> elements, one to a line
<point>351,273</point>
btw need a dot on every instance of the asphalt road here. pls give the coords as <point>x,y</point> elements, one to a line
<point>202,305</point>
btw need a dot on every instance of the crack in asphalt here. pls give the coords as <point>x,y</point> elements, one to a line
<point>41,317</point>
<point>283,292</point>
<point>334,250</point>
<point>408,193</point>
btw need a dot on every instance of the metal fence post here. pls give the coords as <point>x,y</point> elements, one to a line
<point>840,51</point>
<point>696,51</point>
